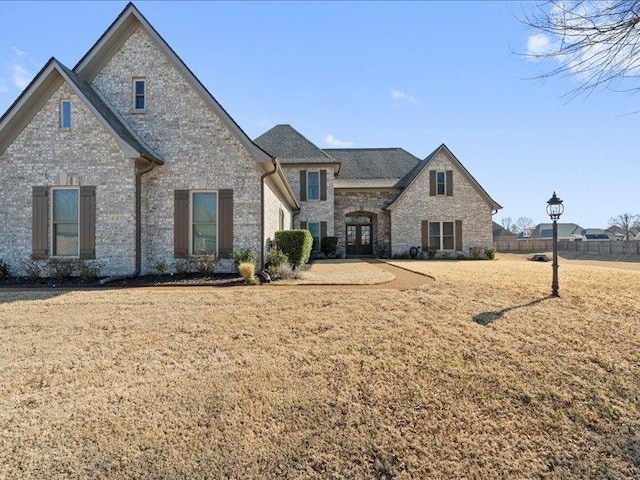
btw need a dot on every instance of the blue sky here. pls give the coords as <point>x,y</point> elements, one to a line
<point>411,75</point>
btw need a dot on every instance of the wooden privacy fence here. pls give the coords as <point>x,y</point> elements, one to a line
<point>619,247</point>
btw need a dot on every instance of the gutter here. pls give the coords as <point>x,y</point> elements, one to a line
<point>140,170</point>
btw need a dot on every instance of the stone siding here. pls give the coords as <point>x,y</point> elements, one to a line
<point>198,149</point>
<point>273,204</point>
<point>416,205</point>
<point>44,155</point>
<point>349,201</point>
<point>313,210</point>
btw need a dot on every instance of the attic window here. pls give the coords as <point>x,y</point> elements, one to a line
<point>440,179</point>
<point>65,115</point>
<point>139,94</point>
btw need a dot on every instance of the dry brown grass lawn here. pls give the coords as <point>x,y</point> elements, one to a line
<point>340,272</point>
<point>475,375</point>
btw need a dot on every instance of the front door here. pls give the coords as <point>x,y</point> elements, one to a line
<point>359,240</point>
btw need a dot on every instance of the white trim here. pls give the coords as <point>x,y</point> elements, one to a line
<point>134,81</point>
<point>50,220</point>
<point>203,190</point>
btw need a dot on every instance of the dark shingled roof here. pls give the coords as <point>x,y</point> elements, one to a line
<point>375,163</point>
<point>119,126</point>
<point>290,146</point>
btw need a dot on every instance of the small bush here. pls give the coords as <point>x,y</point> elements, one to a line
<point>60,268</point>
<point>476,252</point>
<point>248,271</point>
<point>431,253</point>
<point>206,264</point>
<point>88,271</point>
<point>33,269</point>
<point>161,267</point>
<point>404,256</point>
<point>490,252</point>
<point>329,245</point>
<point>5,270</point>
<point>243,255</point>
<point>276,257</point>
<point>183,266</point>
<point>295,244</point>
<point>283,272</point>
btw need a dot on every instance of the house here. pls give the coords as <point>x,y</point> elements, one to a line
<point>126,159</point>
<point>596,234</point>
<point>501,233</point>
<point>619,234</point>
<point>383,201</point>
<point>566,231</point>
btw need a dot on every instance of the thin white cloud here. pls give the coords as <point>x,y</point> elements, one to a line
<point>3,88</point>
<point>17,72</point>
<point>538,44</point>
<point>19,76</point>
<point>400,95</point>
<point>17,52</point>
<point>334,142</point>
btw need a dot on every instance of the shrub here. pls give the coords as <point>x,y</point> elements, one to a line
<point>475,252</point>
<point>182,266</point>
<point>161,267</point>
<point>296,245</point>
<point>490,252</point>
<point>88,271</point>
<point>404,256</point>
<point>329,245</point>
<point>60,268</point>
<point>282,272</point>
<point>276,257</point>
<point>33,269</point>
<point>243,255</point>
<point>248,271</point>
<point>5,270</point>
<point>206,264</point>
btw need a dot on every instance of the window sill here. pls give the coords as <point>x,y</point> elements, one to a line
<point>134,111</point>
<point>64,129</point>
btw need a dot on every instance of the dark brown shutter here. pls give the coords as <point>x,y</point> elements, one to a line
<point>432,183</point>
<point>225,223</point>
<point>181,224</point>
<point>87,222</point>
<point>449,184</point>
<point>303,185</point>
<point>458,235</point>
<point>40,223</point>
<point>323,185</point>
<point>303,225</point>
<point>425,235</point>
<point>323,230</point>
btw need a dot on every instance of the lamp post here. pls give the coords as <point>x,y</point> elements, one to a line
<point>554,210</point>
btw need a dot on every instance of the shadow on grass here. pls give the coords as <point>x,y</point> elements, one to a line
<point>10,295</point>
<point>486,318</point>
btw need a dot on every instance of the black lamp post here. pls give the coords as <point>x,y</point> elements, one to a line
<point>555,209</point>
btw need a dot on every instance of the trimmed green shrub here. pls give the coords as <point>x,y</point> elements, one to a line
<point>295,244</point>
<point>490,252</point>
<point>329,245</point>
<point>244,255</point>
<point>276,257</point>
<point>161,267</point>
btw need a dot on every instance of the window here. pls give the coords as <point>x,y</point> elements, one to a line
<point>65,114</point>
<point>139,94</point>
<point>313,185</point>
<point>204,223</point>
<point>314,228</point>
<point>64,222</point>
<point>281,220</point>
<point>441,235</point>
<point>440,183</point>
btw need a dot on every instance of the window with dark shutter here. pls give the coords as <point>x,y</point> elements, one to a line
<point>181,224</point>
<point>303,185</point>
<point>225,213</point>
<point>40,223</point>
<point>449,183</point>
<point>425,235</point>
<point>459,235</point>
<point>323,184</point>
<point>432,183</point>
<point>87,222</point>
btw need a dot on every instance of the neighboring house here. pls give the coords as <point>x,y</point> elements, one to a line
<point>128,160</point>
<point>501,233</point>
<point>619,234</point>
<point>596,234</point>
<point>566,231</point>
<point>383,200</point>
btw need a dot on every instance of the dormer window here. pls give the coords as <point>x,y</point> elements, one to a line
<point>139,94</point>
<point>65,115</point>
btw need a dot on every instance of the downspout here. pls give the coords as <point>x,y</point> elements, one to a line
<point>140,170</point>
<point>262,179</point>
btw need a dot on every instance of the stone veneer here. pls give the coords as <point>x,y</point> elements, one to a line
<point>44,155</point>
<point>416,205</point>
<point>313,210</point>
<point>273,205</point>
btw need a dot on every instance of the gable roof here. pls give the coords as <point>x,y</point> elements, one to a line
<point>290,146</point>
<point>424,164</point>
<point>375,163</point>
<point>566,230</point>
<point>39,91</point>
<point>119,32</point>
<point>500,231</point>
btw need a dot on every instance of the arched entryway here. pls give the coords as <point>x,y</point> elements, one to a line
<point>360,233</point>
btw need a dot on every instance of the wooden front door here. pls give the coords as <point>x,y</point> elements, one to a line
<point>359,240</point>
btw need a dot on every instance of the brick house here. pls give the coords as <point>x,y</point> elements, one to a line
<point>127,159</point>
<point>383,200</point>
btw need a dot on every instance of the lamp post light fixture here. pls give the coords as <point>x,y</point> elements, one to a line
<point>554,210</point>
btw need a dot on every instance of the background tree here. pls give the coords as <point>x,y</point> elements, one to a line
<point>506,223</point>
<point>626,222</point>
<point>597,42</point>
<point>523,223</point>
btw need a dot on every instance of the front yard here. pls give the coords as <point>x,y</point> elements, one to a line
<point>476,374</point>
